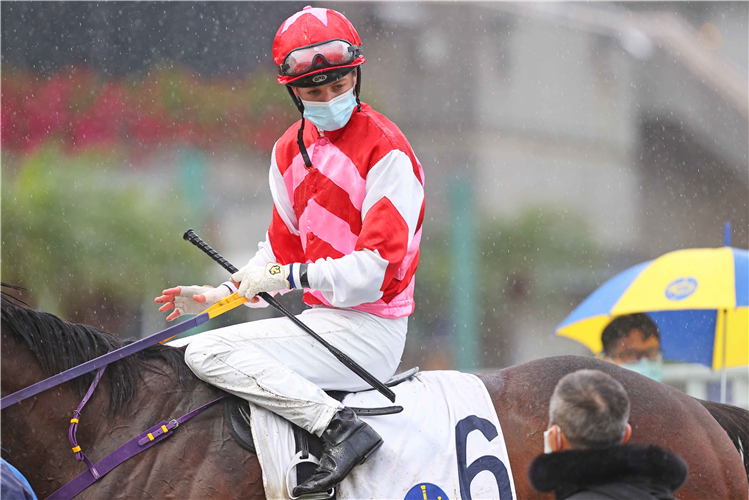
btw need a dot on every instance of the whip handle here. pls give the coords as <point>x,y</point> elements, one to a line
<point>198,242</point>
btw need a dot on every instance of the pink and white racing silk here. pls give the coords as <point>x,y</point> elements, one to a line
<point>355,216</point>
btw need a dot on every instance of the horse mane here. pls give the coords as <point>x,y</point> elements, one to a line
<point>59,345</point>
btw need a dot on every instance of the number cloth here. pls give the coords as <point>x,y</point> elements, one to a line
<point>447,439</point>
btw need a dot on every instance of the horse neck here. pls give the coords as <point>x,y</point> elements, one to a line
<point>159,397</point>
<point>35,431</point>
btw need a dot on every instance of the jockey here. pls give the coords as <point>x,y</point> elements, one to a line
<point>348,203</point>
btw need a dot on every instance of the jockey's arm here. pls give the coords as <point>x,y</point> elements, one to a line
<point>391,213</point>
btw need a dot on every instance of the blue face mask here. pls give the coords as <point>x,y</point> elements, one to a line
<point>652,369</point>
<point>331,115</point>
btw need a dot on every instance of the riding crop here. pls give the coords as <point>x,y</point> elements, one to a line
<point>340,356</point>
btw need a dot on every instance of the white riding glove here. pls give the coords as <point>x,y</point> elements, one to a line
<point>254,279</point>
<point>185,304</point>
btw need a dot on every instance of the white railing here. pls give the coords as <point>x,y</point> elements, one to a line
<point>701,382</point>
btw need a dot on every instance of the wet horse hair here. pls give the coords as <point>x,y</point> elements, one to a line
<point>733,421</point>
<point>59,345</point>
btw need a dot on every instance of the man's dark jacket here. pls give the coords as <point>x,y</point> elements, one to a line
<point>627,472</point>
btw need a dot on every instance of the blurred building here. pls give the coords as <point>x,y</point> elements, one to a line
<point>614,113</point>
<point>634,115</point>
<point>125,38</point>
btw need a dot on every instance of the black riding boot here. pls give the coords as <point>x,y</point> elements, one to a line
<point>347,442</point>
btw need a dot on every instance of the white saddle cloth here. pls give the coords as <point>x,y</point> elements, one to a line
<point>446,444</point>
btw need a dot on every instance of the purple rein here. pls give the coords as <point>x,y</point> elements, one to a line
<point>136,445</point>
<point>103,361</point>
<point>140,443</point>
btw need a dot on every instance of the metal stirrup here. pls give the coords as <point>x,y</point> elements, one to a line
<point>290,472</point>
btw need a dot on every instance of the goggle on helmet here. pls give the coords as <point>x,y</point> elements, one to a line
<point>316,41</point>
<point>320,56</point>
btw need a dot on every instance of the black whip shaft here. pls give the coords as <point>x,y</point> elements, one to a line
<point>340,356</point>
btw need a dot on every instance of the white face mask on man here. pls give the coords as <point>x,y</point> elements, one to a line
<point>331,115</point>
<point>651,368</point>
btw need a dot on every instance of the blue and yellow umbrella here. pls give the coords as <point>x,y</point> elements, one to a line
<point>698,298</point>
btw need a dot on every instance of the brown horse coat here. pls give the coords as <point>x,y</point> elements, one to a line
<point>201,461</point>
<point>660,415</point>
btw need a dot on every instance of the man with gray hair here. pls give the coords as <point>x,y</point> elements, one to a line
<point>585,455</point>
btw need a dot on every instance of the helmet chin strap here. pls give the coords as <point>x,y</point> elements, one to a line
<point>300,106</point>
<point>357,88</point>
<point>297,100</point>
<point>300,133</point>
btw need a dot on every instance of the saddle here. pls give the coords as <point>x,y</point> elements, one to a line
<point>308,446</point>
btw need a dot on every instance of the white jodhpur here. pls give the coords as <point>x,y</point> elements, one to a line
<point>275,364</point>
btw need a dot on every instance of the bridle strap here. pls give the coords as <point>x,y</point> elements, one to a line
<point>128,450</point>
<point>79,455</point>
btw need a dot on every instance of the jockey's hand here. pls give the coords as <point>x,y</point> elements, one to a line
<point>254,279</point>
<point>190,299</point>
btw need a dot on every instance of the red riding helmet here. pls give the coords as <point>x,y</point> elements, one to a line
<point>316,46</point>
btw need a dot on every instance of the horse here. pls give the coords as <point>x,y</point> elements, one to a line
<point>202,461</point>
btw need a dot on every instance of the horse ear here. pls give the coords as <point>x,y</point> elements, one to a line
<point>627,433</point>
